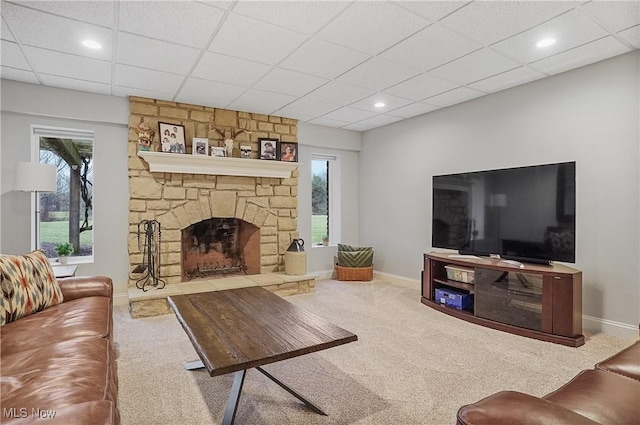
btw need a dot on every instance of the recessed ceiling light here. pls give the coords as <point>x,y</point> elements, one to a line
<point>91,44</point>
<point>379,105</point>
<point>546,42</point>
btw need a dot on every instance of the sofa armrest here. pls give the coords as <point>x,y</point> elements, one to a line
<point>86,286</point>
<point>514,408</point>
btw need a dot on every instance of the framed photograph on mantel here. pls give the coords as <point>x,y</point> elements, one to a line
<point>288,152</point>
<point>200,146</point>
<point>269,149</point>
<point>172,138</point>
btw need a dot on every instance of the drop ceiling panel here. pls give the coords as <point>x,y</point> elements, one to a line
<point>570,30</point>
<point>182,22</point>
<point>147,79</point>
<point>327,122</point>
<point>349,114</point>
<point>412,110</point>
<point>421,87</point>
<point>575,58</point>
<point>632,35</point>
<point>18,75</point>
<point>432,10</point>
<point>261,102</point>
<point>94,12</point>
<point>489,22</point>
<point>312,58</point>
<point>208,92</point>
<point>248,38</point>
<point>339,93</point>
<point>66,65</point>
<point>507,79</point>
<point>226,69</point>
<point>616,15</point>
<point>475,66</point>
<point>12,56</point>
<point>75,84</point>
<point>62,34</point>
<point>390,102</point>
<point>377,74</point>
<point>312,108</point>
<point>306,17</point>
<point>289,82</point>
<point>431,47</point>
<point>378,121</point>
<point>372,27</point>
<point>459,95</point>
<point>5,33</point>
<point>134,91</point>
<point>147,52</point>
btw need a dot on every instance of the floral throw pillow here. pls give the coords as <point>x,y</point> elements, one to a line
<point>28,285</point>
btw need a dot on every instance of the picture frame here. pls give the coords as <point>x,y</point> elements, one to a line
<point>218,151</point>
<point>245,151</point>
<point>269,149</point>
<point>200,146</point>
<point>171,138</point>
<point>288,152</point>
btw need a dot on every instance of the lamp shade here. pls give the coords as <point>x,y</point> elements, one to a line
<point>36,177</point>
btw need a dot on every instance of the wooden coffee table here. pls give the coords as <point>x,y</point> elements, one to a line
<point>240,329</point>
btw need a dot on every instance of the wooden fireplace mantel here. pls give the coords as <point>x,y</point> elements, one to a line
<point>162,162</point>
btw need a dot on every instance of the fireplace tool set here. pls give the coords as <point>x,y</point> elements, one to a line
<point>151,256</point>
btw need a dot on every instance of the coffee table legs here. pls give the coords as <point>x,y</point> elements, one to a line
<point>236,390</point>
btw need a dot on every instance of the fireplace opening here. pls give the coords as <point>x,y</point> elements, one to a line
<point>219,247</point>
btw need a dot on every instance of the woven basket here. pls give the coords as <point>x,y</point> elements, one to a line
<point>354,273</point>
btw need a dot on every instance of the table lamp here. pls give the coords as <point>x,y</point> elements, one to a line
<point>35,177</point>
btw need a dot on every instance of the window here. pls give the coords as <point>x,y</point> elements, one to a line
<point>66,215</point>
<point>325,219</point>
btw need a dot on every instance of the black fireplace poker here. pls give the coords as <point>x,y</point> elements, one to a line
<point>151,256</point>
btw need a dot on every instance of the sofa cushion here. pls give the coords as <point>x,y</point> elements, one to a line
<point>603,397</point>
<point>28,285</point>
<point>58,375</point>
<point>89,316</point>
<point>626,362</point>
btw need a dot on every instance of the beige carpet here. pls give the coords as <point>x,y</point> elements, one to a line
<point>411,365</point>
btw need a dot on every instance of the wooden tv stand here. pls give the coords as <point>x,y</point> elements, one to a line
<point>536,301</point>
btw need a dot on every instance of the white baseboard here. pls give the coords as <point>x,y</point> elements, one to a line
<point>323,274</point>
<point>609,327</point>
<point>397,280</point>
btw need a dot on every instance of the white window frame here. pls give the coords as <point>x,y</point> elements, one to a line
<point>38,131</point>
<point>334,196</point>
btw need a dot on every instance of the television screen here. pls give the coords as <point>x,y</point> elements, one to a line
<point>525,213</point>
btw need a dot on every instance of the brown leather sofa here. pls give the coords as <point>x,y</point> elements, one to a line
<point>58,365</point>
<point>608,394</point>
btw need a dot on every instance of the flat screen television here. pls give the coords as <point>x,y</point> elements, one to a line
<point>525,214</point>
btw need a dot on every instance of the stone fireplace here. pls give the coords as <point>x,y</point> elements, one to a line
<point>211,220</point>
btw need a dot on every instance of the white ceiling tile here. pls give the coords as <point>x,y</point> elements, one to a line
<point>379,120</point>
<point>311,58</point>
<point>412,110</point>
<point>208,92</point>
<point>432,10</point>
<point>475,66</point>
<point>307,107</point>
<point>327,122</point>
<point>220,4</point>
<point>349,114</point>
<point>147,52</point>
<point>303,16</point>
<point>570,30</point>
<point>421,87</point>
<point>431,47</point>
<point>580,56</point>
<point>339,93</point>
<point>616,15</point>
<point>75,84</point>
<point>377,74</point>
<point>459,95</point>
<point>632,35</point>
<point>226,69</point>
<point>390,102</point>
<point>181,22</point>
<point>371,27</point>
<point>12,56</point>
<point>5,31</point>
<point>131,76</point>
<point>358,127</point>
<point>248,38</point>
<point>289,82</point>
<point>18,75</point>
<point>94,12</point>
<point>62,34</point>
<point>301,117</point>
<point>490,21</point>
<point>261,102</point>
<point>66,65</point>
<point>507,79</point>
<point>133,91</point>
